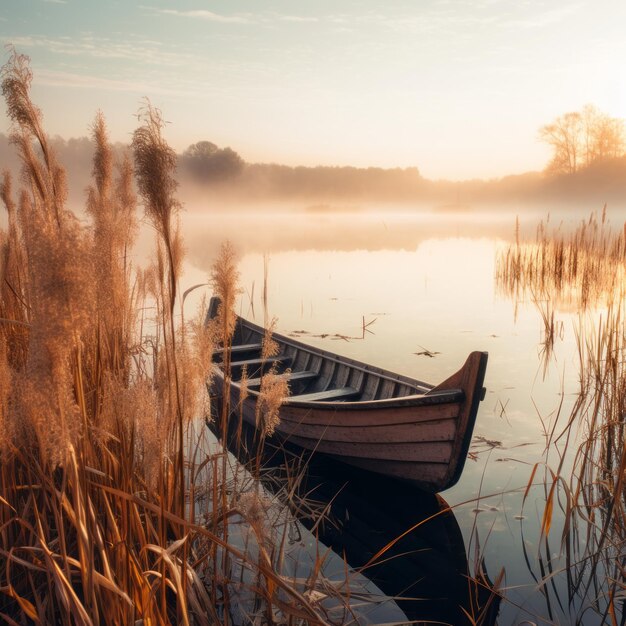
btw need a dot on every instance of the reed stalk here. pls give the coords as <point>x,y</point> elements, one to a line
<point>584,269</point>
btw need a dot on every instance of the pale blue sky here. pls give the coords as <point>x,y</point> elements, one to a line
<point>457,88</point>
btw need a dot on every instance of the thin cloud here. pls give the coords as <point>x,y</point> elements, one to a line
<point>68,79</point>
<point>235,18</point>
<point>55,1</point>
<point>104,48</point>
<point>155,60</point>
<point>547,18</point>
<point>296,18</point>
<point>203,14</point>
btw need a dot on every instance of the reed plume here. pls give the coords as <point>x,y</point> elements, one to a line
<point>224,281</point>
<point>270,348</point>
<point>155,164</point>
<point>274,391</point>
<point>44,176</point>
<point>57,281</point>
<point>274,387</point>
<point>13,296</point>
<point>112,207</point>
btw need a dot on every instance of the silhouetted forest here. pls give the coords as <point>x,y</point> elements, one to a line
<point>212,176</point>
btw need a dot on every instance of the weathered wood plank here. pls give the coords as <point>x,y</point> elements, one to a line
<point>429,452</point>
<point>259,361</point>
<point>422,430</point>
<point>343,393</point>
<point>239,349</point>
<point>290,376</point>
<point>324,416</point>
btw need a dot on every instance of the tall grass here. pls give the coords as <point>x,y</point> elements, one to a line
<point>112,508</point>
<point>586,270</point>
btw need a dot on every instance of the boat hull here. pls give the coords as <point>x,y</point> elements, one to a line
<point>422,440</point>
<point>356,413</point>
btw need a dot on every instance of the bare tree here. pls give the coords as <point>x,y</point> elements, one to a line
<point>565,136</point>
<point>606,135</point>
<point>580,138</point>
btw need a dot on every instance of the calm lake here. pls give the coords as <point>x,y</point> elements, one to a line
<point>425,283</point>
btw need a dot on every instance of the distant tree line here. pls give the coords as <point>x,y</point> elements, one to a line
<point>588,161</point>
<point>588,165</point>
<point>327,182</point>
<point>222,168</point>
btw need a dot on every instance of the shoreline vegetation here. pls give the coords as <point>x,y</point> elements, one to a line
<point>583,469</point>
<point>114,509</point>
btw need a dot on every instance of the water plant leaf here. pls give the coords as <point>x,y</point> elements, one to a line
<point>188,291</point>
<point>546,521</point>
<point>25,605</point>
<point>530,483</point>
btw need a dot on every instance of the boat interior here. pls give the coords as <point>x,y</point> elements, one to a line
<point>313,375</point>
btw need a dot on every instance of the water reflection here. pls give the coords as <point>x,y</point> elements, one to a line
<point>430,287</point>
<point>406,541</point>
<point>584,457</point>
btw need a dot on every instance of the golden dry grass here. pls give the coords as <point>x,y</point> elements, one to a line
<point>112,511</point>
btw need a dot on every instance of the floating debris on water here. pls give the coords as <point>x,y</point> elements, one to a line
<point>426,352</point>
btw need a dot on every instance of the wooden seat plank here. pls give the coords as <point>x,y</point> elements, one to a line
<point>255,362</point>
<point>290,376</point>
<point>330,394</point>
<point>244,347</point>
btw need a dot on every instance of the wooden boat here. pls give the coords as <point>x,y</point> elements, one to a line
<point>359,414</point>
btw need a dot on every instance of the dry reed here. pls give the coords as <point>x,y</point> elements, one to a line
<point>585,269</point>
<point>274,391</point>
<point>99,465</point>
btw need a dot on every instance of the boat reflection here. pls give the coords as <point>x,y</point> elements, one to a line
<point>406,541</point>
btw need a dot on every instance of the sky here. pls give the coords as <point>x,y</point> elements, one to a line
<point>456,88</point>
